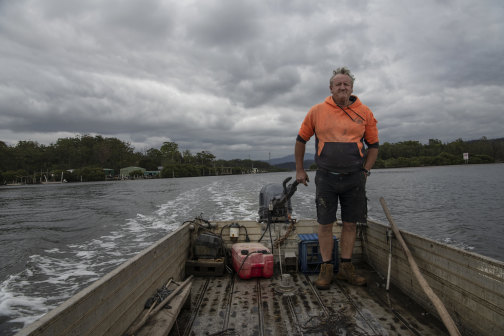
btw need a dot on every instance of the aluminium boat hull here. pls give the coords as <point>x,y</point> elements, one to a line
<point>470,285</point>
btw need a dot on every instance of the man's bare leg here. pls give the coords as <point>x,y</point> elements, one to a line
<point>347,240</point>
<point>326,243</point>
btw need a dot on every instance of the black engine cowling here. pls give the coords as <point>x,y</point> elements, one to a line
<point>274,201</point>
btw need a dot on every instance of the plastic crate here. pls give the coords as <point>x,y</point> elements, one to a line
<point>309,253</point>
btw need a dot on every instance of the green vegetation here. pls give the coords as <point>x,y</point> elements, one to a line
<point>84,158</point>
<point>435,153</point>
<point>87,174</point>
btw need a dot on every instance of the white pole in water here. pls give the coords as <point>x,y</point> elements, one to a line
<point>279,252</point>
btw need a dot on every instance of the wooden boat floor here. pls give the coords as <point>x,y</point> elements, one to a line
<point>228,305</point>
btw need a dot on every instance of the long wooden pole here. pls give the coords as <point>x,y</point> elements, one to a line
<point>153,310</point>
<point>175,292</point>
<point>438,304</point>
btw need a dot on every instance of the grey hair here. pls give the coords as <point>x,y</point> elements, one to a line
<point>342,71</point>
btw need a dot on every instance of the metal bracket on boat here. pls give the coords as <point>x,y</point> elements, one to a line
<point>389,234</point>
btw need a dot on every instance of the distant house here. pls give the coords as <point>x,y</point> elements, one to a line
<point>125,172</point>
<point>109,173</point>
<point>226,170</point>
<point>151,173</point>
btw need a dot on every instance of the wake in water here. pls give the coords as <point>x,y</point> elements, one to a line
<point>54,275</point>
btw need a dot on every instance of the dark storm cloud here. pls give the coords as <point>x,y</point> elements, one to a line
<point>237,77</point>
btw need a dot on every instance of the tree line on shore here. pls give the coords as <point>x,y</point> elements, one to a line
<point>436,153</point>
<point>84,158</point>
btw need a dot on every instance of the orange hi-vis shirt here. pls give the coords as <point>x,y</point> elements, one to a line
<point>340,133</point>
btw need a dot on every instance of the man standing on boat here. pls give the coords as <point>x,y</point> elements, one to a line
<point>341,125</point>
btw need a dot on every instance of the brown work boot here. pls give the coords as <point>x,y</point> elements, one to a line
<point>347,272</point>
<point>325,276</point>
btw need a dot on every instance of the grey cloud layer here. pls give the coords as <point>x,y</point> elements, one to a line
<point>237,78</point>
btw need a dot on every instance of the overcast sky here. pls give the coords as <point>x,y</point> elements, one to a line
<point>236,78</point>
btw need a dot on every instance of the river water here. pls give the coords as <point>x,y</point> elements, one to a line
<point>58,239</point>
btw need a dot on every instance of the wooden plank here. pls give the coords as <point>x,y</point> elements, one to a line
<point>162,322</point>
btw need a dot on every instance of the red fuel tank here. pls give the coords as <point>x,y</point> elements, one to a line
<point>252,260</point>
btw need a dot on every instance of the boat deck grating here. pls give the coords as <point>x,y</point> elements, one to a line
<point>229,305</point>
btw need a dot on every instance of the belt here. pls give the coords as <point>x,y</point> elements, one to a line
<point>334,173</point>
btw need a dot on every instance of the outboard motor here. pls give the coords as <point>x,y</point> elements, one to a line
<point>274,202</point>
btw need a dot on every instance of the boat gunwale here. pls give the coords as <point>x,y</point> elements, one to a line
<point>475,255</point>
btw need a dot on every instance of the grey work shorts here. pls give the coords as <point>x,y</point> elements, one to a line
<point>349,189</point>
